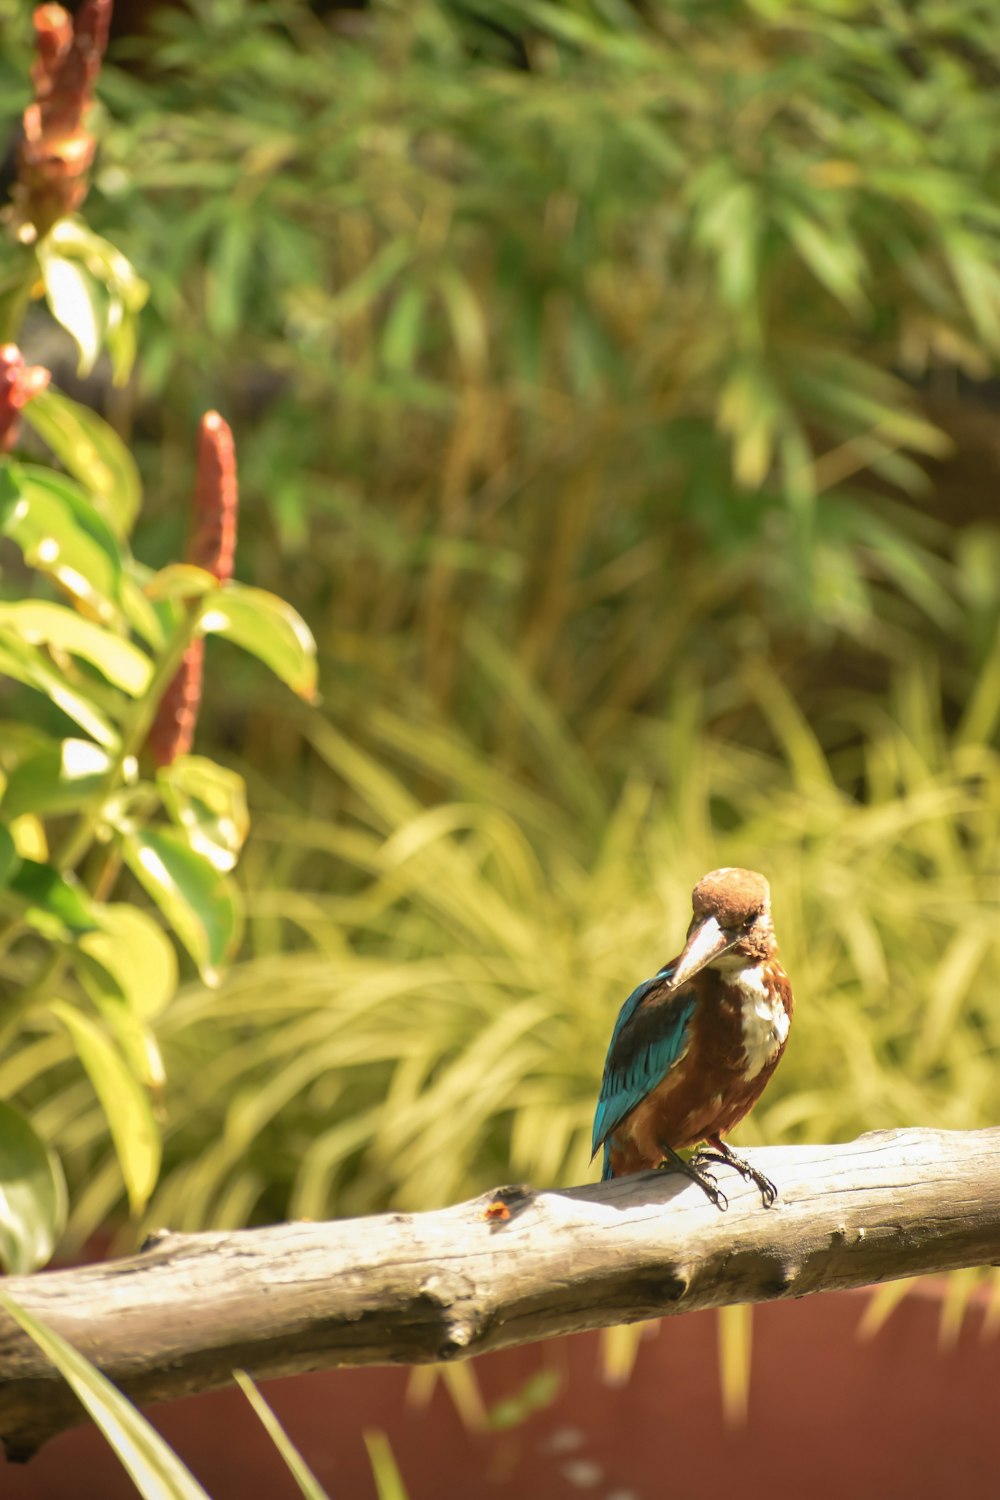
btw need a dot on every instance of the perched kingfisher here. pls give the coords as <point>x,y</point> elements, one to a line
<point>693,1047</point>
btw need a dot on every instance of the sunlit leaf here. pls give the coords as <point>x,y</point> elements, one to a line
<point>297,1466</point>
<point>268,628</point>
<point>59,779</point>
<point>92,452</point>
<point>9,857</point>
<point>31,665</point>
<point>208,804</point>
<point>32,1195</point>
<point>197,900</point>
<point>37,622</point>
<point>75,300</point>
<point>735,1350</point>
<point>122,293</point>
<point>155,1469</point>
<point>53,902</point>
<point>180,581</point>
<point>123,1100</point>
<point>61,534</point>
<point>133,949</point>
<point>388,1480</point>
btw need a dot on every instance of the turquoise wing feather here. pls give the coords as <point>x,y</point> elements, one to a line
<point>643,1048</point>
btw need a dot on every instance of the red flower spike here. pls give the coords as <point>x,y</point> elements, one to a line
<point>57,149</point>
<point>216,499</point>
<point>19,384</point>
<point>212,546</point>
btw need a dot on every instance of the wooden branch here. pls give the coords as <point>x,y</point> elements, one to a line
<point>504,1269</point>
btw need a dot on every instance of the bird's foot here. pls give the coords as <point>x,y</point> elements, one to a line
<point>719,1151</point>
<point>673,1162</point>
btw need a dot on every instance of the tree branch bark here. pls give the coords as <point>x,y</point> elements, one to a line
<point>507,1268</point>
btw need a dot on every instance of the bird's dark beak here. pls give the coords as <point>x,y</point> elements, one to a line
<point>705,943</point>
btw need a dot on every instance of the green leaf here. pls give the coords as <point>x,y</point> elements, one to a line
<point>119,292</point>
<point>538,1391</point>
<point>267,627</point>
<point>297,1466</point>
<point>388,1480</point>
<point>92,452</point>
<point>197,900</point>
<point>833,258</point>
<point>32,1195</point>
<point>9,857</point>
<point>156,1471</point>
<point>55,903</point>
<point>137,955</point>
<point>60,533</point>
<point>36,622</point>
<point>208,803</point>
<point>59,779</point>
<point>123,1100</point>
<point>136,1040</point>
<point>180,581</point>
<point>31,666</point>
<point>77,302</point>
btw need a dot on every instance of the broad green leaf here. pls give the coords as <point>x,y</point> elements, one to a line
<point>122,293</point>
<point>139,609</point>
<point>180,581</point>
<point>28,833</point>
<point>197,900</point>
<point>36,622</point>
<point>9,857</point>
<point>61,534</point>
<point>136,1040</point>
<point>30,665</point>
<point>104,260</point>
<point>137,954</point>
<point>267,627</point>
<point>77,302</point>
<point>297,1466</point>
<point>32,1195</point>
<point>123,1100</point>
<point>208,803</point>
<point>156,1471</point>
<point>54,903</point>
<point>10,488</point>
<point>59,779</point>
<point>92,452</point>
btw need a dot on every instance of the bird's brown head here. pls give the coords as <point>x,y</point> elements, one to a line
<point>731,924</point>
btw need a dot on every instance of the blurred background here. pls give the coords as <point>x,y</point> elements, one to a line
<point>613,384</point>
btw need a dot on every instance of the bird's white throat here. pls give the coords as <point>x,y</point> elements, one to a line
<point>765,1020</point>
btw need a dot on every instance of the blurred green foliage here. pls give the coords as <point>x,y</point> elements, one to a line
<point>578,355</point>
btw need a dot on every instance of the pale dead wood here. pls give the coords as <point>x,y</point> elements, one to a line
<point>408,1288</point>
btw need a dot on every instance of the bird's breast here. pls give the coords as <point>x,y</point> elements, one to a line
<point>744,1021</point>
<point>764,1019</point>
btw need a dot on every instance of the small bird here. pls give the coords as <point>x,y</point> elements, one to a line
<point>693,1047</point>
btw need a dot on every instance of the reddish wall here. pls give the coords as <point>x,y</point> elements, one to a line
<point>829,1417</point>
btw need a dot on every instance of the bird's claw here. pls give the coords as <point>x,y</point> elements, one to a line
<point>710,1187</point>
<point>706,1180</point>
<point>766,1188</point>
